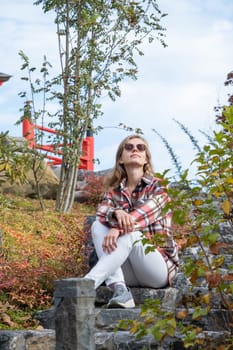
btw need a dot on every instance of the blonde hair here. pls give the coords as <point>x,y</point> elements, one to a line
<point>114,178</point>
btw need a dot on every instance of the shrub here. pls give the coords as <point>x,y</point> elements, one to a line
<point>38,248</point>
<point>94,189</point>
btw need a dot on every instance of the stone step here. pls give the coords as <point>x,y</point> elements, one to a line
<point>216,320</point>
<point>126,341</point>
<point>45,340</point>
<point>27,340</point>
<point>170,299</point>
<point>167,296</point>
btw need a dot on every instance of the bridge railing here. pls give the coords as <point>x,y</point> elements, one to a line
<point>54,153</point>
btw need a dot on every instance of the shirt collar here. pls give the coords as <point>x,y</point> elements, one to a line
<point>146,179</point>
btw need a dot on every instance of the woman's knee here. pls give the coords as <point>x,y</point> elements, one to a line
<point>98,229</point>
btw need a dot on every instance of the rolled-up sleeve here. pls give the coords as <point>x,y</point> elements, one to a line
<point>106,209</point>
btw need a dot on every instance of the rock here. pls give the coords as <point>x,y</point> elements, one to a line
<point>22,340</point>
<point>48,182</point>
<point>46,318</point>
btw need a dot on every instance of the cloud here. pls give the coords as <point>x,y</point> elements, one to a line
<point>183,81</point>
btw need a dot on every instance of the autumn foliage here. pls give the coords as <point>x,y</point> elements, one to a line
<point>36,249</point>
<point>94,189</point>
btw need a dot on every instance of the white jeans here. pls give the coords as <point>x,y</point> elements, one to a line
<point>128,262</point>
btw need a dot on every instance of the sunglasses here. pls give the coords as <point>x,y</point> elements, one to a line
<point>140,147</point>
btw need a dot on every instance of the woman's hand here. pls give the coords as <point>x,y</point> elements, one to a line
<point>110,240</point>
<point>125,220</point>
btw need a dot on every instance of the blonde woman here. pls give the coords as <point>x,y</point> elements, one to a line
<point>131,208</point>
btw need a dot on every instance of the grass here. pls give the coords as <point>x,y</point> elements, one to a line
<point>36,248</point>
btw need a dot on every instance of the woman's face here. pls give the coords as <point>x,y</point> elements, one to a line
<point>134,153</point>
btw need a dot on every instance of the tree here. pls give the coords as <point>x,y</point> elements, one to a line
<point>15,160</point>
<point>98,42</point>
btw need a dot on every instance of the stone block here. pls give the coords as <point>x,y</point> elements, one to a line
<point>75,314</point>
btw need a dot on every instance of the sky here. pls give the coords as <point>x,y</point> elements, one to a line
<point>182,82</point>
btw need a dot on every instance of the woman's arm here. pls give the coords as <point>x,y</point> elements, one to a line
<point>106,210</point>
<point>151,210</point>
<point>113,215</point>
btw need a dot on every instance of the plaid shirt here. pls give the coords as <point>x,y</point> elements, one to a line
<point>145,205</point>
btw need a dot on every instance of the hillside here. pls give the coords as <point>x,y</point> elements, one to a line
<point>36,248</point>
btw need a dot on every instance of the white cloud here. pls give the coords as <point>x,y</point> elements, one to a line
<point>183,81</point>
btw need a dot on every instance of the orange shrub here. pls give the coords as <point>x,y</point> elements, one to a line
<point>94,189</point>
<point>41,248</point>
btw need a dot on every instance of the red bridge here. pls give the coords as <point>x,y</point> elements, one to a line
<point>87,158</point>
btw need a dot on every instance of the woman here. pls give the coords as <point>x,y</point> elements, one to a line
<point>131,208</point>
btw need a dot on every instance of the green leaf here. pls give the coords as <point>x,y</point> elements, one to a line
<point>199,312</point>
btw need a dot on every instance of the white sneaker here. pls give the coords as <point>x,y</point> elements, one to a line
<point>121,298</point>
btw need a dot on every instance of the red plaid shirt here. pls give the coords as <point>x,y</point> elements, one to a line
<point>145,205</point>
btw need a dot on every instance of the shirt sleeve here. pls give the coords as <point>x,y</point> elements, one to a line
<point>150,211</point>
<point>106,209</point>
